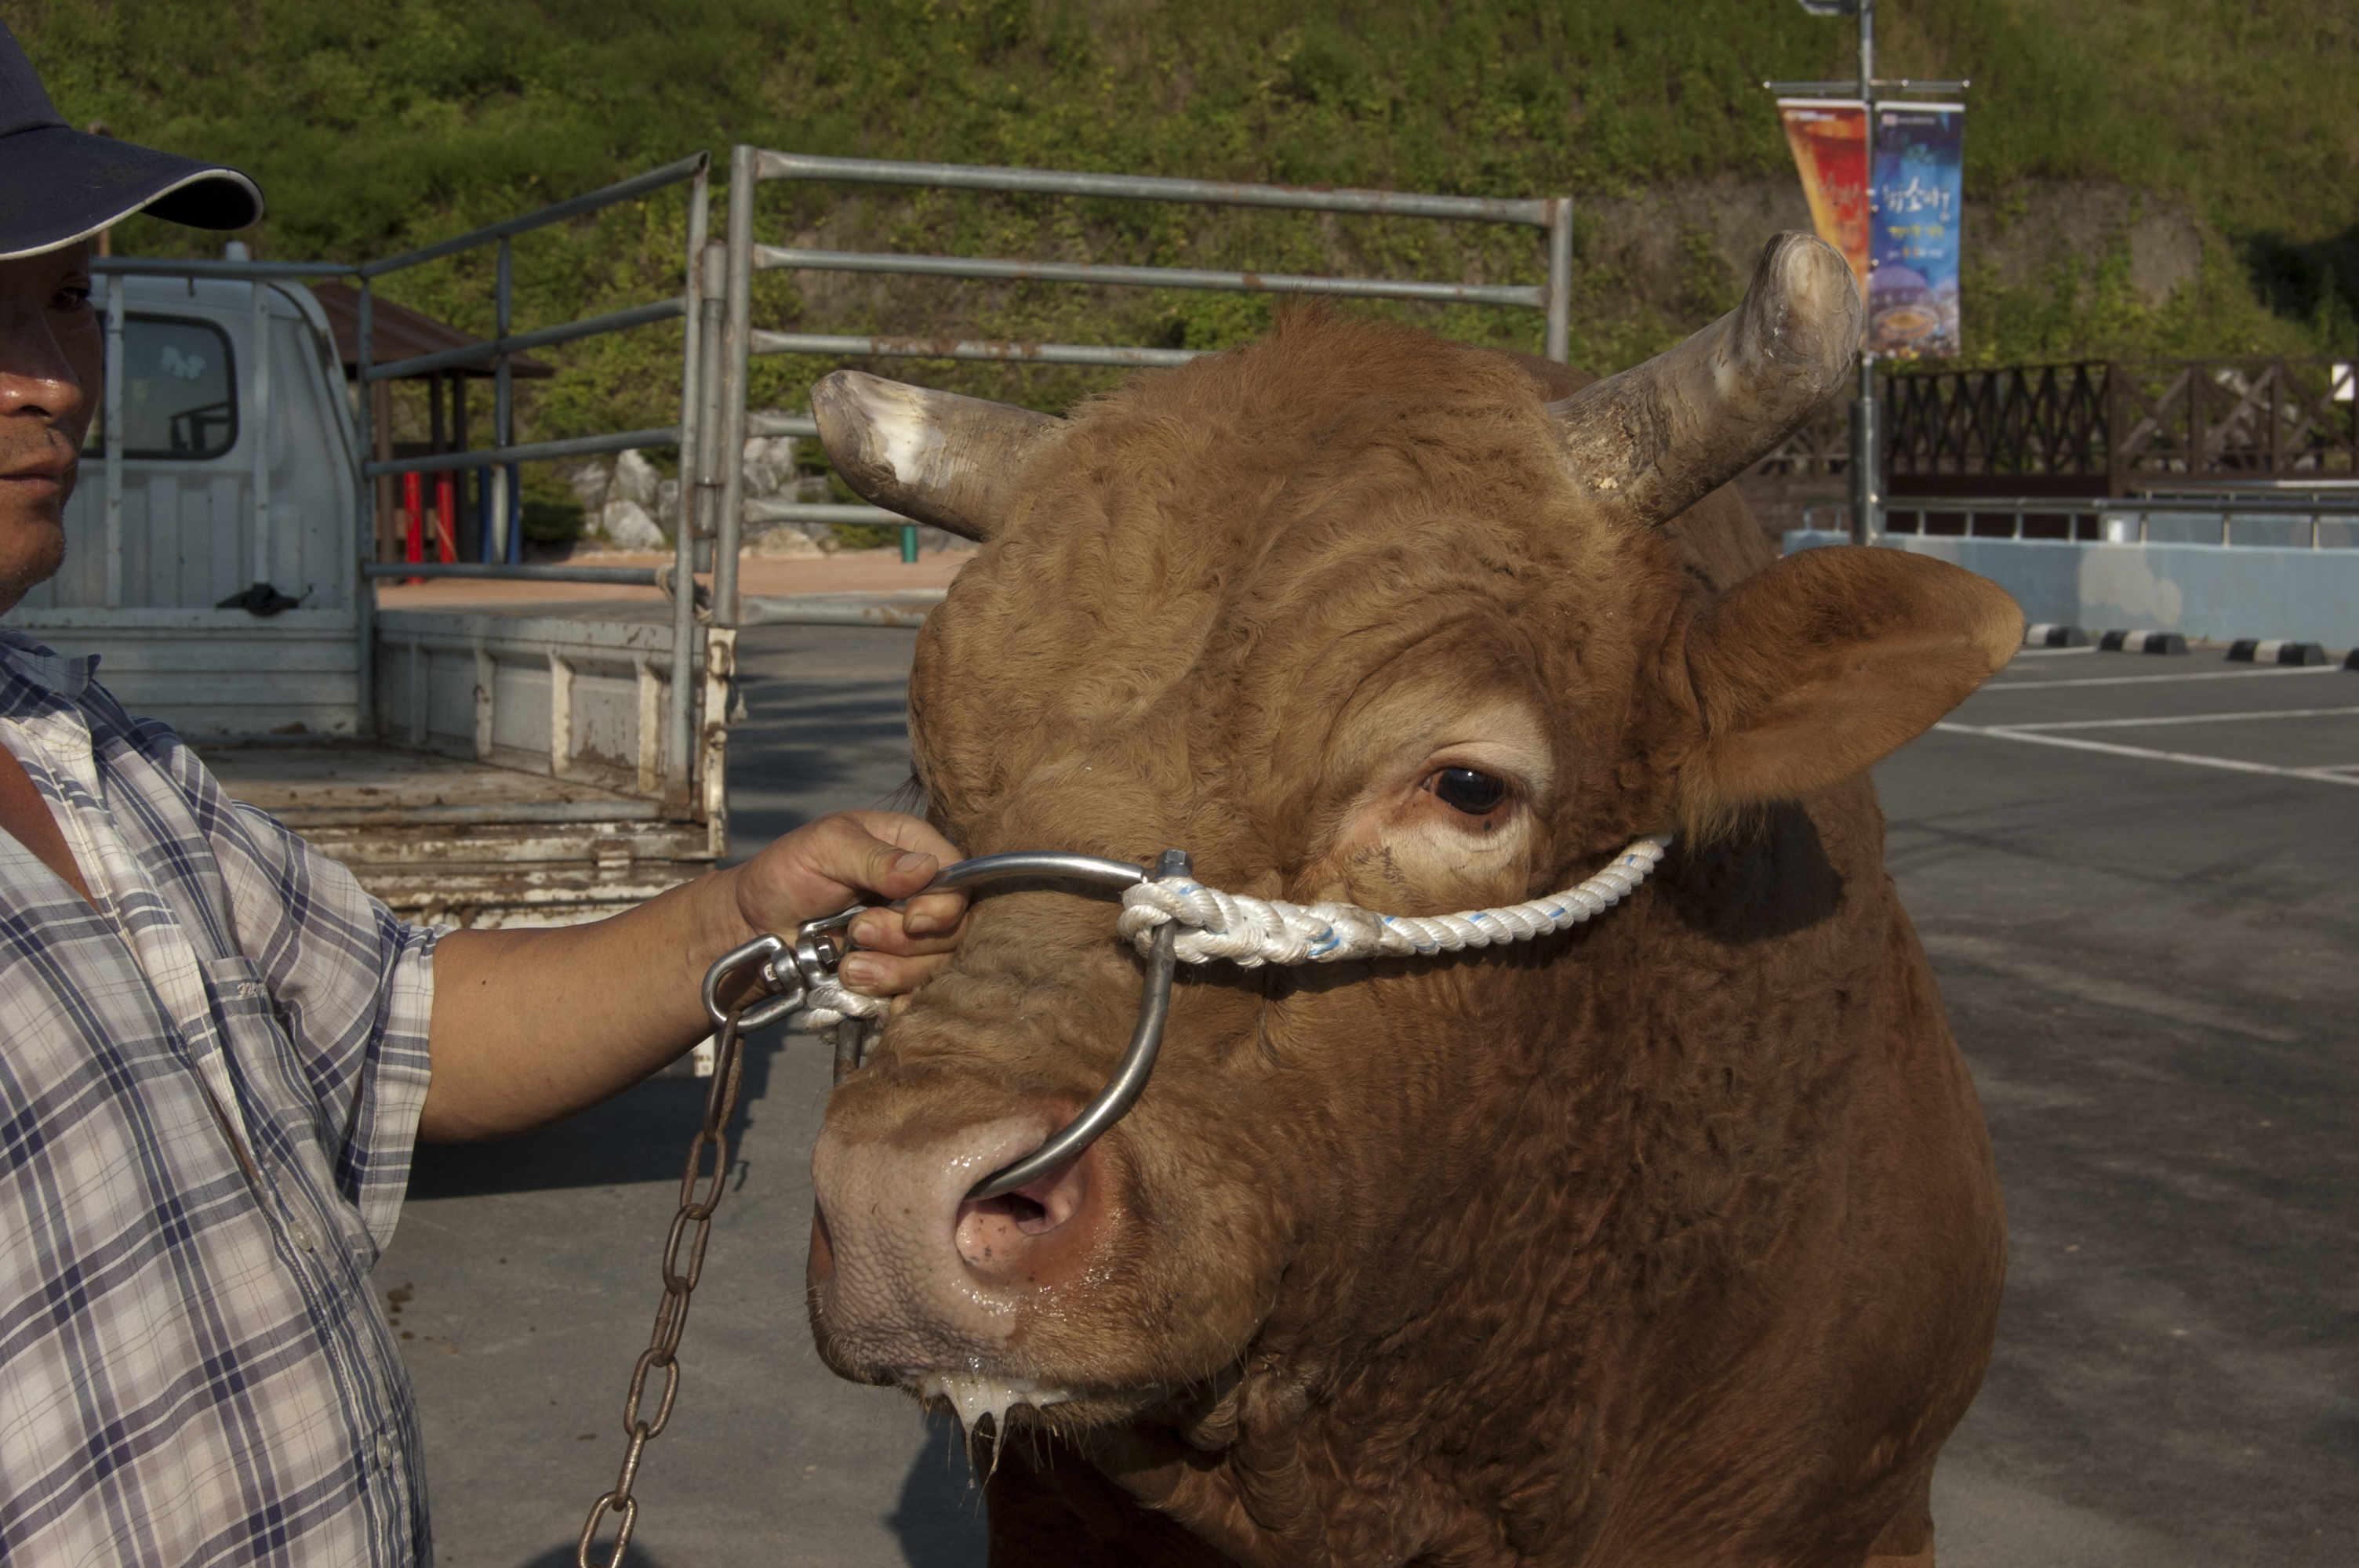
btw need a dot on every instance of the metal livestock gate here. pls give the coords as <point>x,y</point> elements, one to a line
<point>720,510</point>
<point>501,460</point>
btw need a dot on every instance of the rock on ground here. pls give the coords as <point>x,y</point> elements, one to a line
<point>627,526</point>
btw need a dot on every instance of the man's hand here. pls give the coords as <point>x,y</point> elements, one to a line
<point>851,858</point>
<point>531,1026</point>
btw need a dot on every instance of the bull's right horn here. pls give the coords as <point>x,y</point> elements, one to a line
<point>934,457</point>
<point>1651,441</point>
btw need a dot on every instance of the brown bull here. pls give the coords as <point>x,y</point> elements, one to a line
<point>1670,1240</point>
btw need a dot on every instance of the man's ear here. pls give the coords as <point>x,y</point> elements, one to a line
<point>1826,662</point>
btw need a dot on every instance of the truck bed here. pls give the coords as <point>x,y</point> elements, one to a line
<point>312,783</point>
<point>453,841</point>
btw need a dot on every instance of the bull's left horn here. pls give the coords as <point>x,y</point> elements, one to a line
<point>932,455</point>
<point>1651,441</point>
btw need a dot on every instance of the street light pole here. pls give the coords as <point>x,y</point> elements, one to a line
<point>1866,449</point>
<point>1867,437</point>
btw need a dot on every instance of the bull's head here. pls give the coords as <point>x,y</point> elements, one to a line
<point>1351,613</point>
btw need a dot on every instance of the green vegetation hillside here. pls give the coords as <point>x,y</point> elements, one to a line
<point>378,125</point>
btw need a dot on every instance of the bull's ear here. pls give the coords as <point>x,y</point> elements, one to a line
<point>1807,672</point>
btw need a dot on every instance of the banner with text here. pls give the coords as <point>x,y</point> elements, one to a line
<point>1912,293</point>
<point>1829,136</point>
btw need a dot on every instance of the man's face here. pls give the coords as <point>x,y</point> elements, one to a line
<point>52,354</point>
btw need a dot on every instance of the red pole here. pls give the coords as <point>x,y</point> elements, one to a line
<point>446,515</point>
<point>413,508</point>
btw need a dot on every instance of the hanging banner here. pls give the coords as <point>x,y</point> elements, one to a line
<point>1912,293</point>
<point>1829,136</point>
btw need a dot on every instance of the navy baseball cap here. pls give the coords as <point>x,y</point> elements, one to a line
<point>59,185</point>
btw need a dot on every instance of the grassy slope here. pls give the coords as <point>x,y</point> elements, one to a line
<point>375,124</point>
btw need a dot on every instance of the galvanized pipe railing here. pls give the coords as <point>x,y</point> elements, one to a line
<point>541,218</point>
<point>842,346</point>
<point>216,267</point>
<point>1554,215</point>
<point>684,730</point>
<point>508,504</point>
<point>500,459</point>
<point>729,372</point>
<point>620,577</point>
<point>750,165</point>
<point>896,607</point>
<point>1535,296</point>
<point>541,338</point>
<point>701,465</point>
<point>2315,486</point>
<point>530,451</point>
<point>1149,187</point>
<point>2107,509</point>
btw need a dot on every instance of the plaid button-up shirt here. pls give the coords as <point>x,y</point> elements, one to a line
<point>209,1088</point>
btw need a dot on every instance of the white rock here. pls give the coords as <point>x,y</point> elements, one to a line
<point>667,508</point>
<point>627,526</point>
<point>785,539</point>
<point>635,478</point>
<point>587,481</point>
<point>769,463</point>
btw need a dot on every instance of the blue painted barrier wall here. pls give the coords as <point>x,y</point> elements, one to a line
<point>2213,592</point>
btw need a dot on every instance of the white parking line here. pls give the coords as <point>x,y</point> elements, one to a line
<point>2183,718</point>
<point>2149,680</point>
<point>2333,775</point>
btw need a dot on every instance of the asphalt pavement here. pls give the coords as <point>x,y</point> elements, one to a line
<point>2138,882</point>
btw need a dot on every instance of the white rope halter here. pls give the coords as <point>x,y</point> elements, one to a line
<point>1256,931</point>
<point>827,1004</point>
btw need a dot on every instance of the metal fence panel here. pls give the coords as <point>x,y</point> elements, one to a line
<point>750,165</point>
<point>501,458</point>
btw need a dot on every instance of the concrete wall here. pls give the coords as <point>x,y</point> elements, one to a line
<point>2209,591</point>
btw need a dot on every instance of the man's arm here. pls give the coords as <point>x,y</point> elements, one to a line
<point>532,1026</point>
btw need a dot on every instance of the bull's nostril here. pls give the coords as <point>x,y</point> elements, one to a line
<point>1042,1204</point>
<point>993,1233</point>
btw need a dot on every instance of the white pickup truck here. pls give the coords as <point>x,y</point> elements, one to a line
<point>477,769</point>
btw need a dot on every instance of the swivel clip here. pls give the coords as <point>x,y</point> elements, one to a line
<point>785,972</point>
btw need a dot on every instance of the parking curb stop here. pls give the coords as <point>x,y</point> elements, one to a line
<point>2050,635</point>
<point>2276,651</point>
<point>2142,643</point>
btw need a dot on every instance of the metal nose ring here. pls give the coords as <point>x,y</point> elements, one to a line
<point>788,970</point>
<point>1122,1091</point>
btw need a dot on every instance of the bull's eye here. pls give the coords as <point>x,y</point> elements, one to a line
<point>1470,790</point>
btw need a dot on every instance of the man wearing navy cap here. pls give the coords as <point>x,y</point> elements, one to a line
<point>216,1051</point>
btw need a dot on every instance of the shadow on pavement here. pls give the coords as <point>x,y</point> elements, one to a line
<point>941,1520</point>
<point>562,1556</point>
<point>640,1135</point>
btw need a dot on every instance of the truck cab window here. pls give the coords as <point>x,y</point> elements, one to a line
<point>179,391</point>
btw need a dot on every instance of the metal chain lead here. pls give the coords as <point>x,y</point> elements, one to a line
<point>700,1195</point>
